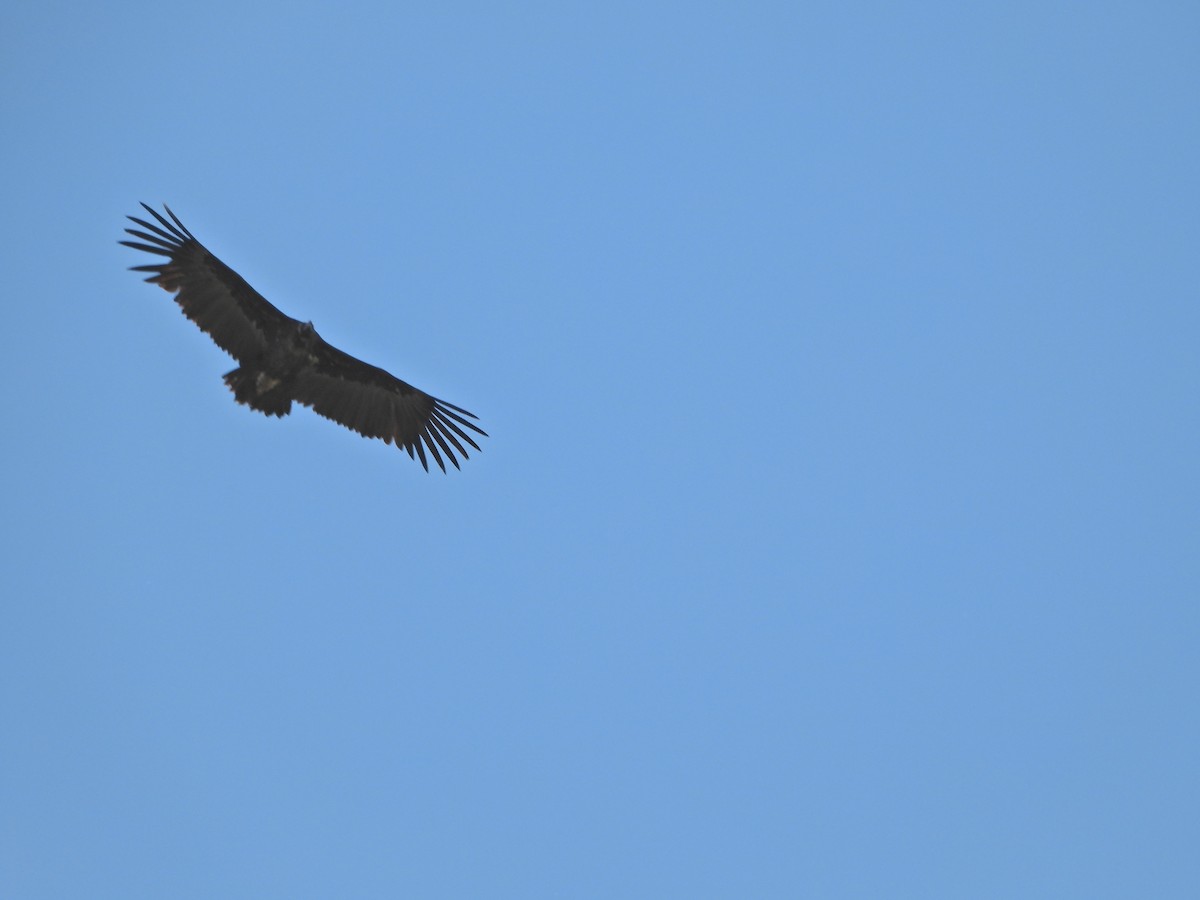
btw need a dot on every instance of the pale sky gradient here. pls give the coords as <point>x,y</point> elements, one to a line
<point>837,535</point>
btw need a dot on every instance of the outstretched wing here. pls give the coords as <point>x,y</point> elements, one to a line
<point>236,316</point>
<point>376,404</point>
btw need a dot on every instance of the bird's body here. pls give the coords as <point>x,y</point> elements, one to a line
<point>282,360</point>
<point>267,382</point>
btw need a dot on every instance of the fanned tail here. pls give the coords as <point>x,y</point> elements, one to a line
<point>259,391</point>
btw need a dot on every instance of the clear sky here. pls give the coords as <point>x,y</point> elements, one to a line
<point>838,534</point>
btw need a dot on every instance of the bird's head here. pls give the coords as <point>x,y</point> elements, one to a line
<point>307,334</point>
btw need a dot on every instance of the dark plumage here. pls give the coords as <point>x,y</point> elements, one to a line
<point>283,360</point>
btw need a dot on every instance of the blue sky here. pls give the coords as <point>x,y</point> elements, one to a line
<point>837,531</point>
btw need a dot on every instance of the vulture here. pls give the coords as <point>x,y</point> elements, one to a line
<point>281,360</point>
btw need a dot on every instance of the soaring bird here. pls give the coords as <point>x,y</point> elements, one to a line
<point>281,360</point>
